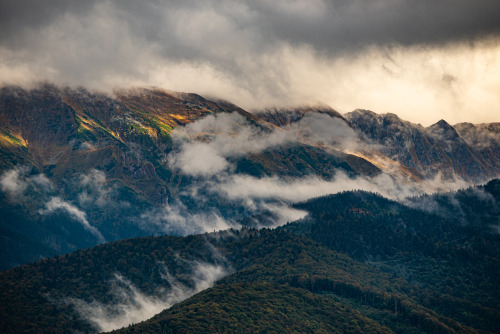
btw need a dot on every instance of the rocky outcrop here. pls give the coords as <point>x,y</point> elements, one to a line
<point>436,151</point>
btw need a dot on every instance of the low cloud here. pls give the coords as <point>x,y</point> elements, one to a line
<point>414,58</point>
<point>177,219</point>
<point>206,144</point>
<point>56,203</point>
<point>12,183</point>
<point>283,213</point>
<point>43,182</point>
<point>95,190</point>
<point>199,159</point>
<point>325,129</point>
<point>480,136</point>
<point>133,306</point>
<point>247,187</point>
<point>204,151</point>
<point>451,203</point>
<point>16,181</point>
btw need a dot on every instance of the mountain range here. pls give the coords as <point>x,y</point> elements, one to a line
<point>204,217</point>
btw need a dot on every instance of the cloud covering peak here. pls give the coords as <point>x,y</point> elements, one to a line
<point>388,55</point>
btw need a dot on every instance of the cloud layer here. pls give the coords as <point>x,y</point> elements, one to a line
<point>412,58</point>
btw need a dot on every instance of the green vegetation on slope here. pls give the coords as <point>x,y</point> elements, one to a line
<point>33,293</point>
<point>459,263</point>
<point>258,308</point>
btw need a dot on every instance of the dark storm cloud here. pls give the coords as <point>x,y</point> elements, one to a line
<point>345,24</point>
<point>331,25</point>
<point>17,17</point>
<point>257,51</point>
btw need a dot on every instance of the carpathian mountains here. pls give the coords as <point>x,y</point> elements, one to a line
<point>80,168</point>
<point>150,176</point>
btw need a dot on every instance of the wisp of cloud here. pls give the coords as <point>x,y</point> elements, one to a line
<point>133,306</point>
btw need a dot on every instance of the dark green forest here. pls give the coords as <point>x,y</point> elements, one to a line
<point>358,263</point>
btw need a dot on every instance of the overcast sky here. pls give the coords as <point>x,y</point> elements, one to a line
<point>424,60</point>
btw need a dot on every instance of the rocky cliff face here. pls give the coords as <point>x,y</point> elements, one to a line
<point>438,150</point>
<point>484,139</point>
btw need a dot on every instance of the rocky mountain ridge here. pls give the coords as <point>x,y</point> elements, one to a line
<point>438,150</point>
<point>73,160</point>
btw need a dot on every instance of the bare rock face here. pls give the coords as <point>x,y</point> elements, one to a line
<point>483,138</point>
<point>438,150</point>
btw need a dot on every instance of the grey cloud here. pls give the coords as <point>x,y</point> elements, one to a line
<point>284,213</point>
<point>132,307</point>
<point>256,53</point>
<point>43,182</point>
<point>481,136</point>
<point>177,219</point>
<point>330,25</point>
<point>346,24</point>
<point>199,159</point>
<point>207,143</point>
<point>18,16</point>
<point>322,128</point>
<point>14,182</point>
<point>292,191</point>
<point>447,204</point>
<point>11,182</point>
<point>95,189</point>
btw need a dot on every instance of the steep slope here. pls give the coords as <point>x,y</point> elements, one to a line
<point>464,160</point>
<point>484,138</point>
<point>79,167</point>
<point>93,155</point>
<point>434,151</point>
<point>298,160</point>
<point>68,130</point>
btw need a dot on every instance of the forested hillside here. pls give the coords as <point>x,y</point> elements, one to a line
<point>382,266</point>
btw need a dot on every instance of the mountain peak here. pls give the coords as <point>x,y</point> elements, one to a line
<point>364,112</point>
<point>443,130</point>
<point>392,117</point>
<point>443,123</point>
